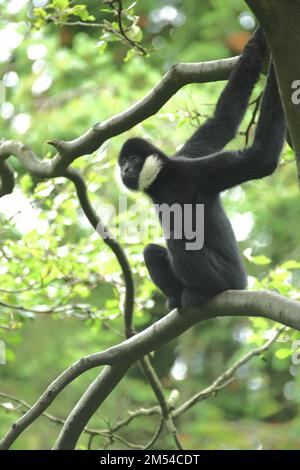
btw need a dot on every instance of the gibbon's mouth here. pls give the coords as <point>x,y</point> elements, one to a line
<point>130,181</point>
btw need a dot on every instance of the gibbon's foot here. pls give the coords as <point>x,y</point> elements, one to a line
<point>173,302</point>
<point>193,298</point>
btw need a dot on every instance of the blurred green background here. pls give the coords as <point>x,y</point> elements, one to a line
<point>58,80</point>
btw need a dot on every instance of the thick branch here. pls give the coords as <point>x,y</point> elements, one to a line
<point>177,76</point>
<point>268,308</point>
<point>88,404</point>
<point>231,303</point>
<point>35,166</point>
<point>219,383</point>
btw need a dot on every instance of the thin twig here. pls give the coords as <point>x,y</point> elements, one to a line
<point>156,435</point>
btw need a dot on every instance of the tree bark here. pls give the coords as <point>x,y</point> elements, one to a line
<point>280,20</point>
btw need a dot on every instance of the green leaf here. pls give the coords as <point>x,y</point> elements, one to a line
<point>261,260</point>
<point>135,33</point>
<point>101,45</point>
<point>82,12</point>
<point>261,323</point>
<point>26,183</point>
<point>130,54</point>
<point>40,12</point>
<point>115,25</point>
<point>61,4</point>
<point>283,353</point>
<point>291,264</point>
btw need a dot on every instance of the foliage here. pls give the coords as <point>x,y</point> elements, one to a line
<point>61,287</point>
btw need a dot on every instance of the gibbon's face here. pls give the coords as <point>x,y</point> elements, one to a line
<point>139,164</point>
<point>130,168</point>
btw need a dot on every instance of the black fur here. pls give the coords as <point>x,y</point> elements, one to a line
<point>197,175</point>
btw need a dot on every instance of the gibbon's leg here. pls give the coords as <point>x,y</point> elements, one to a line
<point>217,131</point>
<point>161,273</point>
<point>227,169</point>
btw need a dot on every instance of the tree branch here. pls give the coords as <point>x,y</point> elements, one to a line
<point>145,362</point>
<point>231,303</point>
<point>108,433</point>
<point>177,76</point>
<point>218,384</point>
<point>88,404</point>
<point>109,240</point>
<point>7,180</point>
<point>264,303</point>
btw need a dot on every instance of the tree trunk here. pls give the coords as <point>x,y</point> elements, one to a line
<point>280,20</point>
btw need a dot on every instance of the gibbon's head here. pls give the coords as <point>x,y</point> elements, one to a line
<point>140,163</point>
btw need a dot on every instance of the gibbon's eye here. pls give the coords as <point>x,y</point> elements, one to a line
<point>136,159</point>
<point>123,163</point>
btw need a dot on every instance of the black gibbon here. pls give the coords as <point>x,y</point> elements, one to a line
<point>198,173</point>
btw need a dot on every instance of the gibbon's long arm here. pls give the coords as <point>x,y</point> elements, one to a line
<point>226,169</point>
<point>217,131</point>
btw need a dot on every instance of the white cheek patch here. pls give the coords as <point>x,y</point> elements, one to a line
<point>149,172</point>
